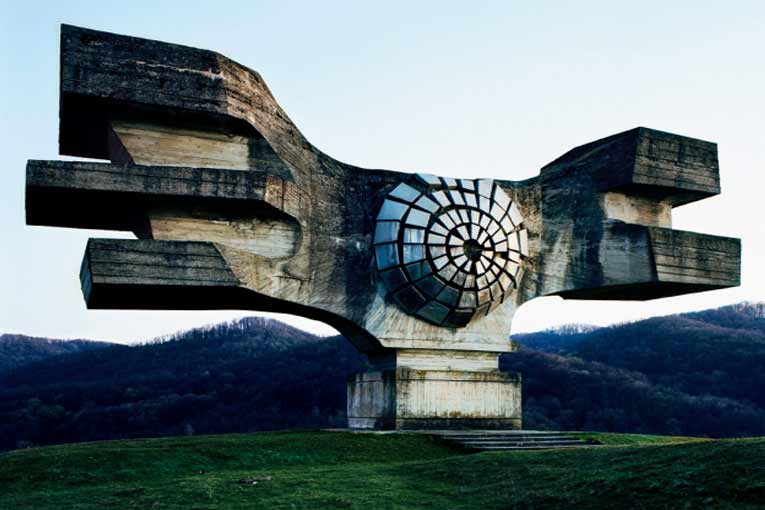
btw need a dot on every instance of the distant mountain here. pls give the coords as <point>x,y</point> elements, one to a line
<point>554,340</point>
<point>695,374</point>
<point>715,352</point>
<point>569,393</point>
<point>17,350</point>
<point>739,316</point>
<point>250,374</point>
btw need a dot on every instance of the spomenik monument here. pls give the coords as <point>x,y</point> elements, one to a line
<point>234,209</point>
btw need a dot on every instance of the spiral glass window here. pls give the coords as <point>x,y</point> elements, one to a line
<point>449,250</point>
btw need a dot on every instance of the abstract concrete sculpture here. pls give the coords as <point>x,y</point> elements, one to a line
<point>234,209</point>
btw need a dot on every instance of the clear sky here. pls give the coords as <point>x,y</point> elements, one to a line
<point>463,89</point>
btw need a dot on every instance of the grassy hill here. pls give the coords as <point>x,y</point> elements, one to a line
<point>332,470</point>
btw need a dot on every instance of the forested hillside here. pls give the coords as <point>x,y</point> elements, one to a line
<point>693,374</point>
<point>247,375</point>
<point>17,350</point>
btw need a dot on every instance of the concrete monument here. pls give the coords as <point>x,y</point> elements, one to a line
<point>234,209</point>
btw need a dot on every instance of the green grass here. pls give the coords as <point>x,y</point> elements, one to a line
<point>609,439</point>
<point>332,470</point>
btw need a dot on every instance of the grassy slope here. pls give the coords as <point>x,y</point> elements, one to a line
<point>339,470</point>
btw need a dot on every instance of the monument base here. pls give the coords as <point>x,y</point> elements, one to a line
<point>410,399</point>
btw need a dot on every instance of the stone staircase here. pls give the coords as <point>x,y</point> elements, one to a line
<point>513,439</point>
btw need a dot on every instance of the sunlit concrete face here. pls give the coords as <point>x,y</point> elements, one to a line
<point>235,209</point>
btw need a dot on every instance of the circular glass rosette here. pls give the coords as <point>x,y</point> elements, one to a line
<point>448,250</point>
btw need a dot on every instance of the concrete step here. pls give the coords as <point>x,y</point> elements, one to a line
<point>519,448</point>
<point>506,437</point>
<point>512,440</point>
<point>498,432</point>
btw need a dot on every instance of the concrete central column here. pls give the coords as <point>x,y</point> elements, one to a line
<point>435,389</point>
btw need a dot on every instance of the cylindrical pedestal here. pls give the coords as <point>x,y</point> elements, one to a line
<point>410,399</point>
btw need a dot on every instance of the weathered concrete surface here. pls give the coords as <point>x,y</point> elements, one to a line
<point>234,208</point>
<point>404,398</point>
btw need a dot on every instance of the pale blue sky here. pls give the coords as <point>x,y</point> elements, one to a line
<point>493,89</point>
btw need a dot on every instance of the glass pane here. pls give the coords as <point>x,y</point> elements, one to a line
<point>515,215</point>
<point>484,204</point>
<point>392,210</point>
<point>440,261</point>
<point>450,183</point>
<point>446,220</point>
<point>447,272</point>
<point>485,186</point>
<point>434,312</point>
<point>493,228</point>
<point>470,199</point>
<point>449,296</point>
<point>505,282</point>
<point>457,197</point>
<point>393,278</point>
<point>387,255</point>
<point>414,235</point>
<point>410,298</point>
<point>507,224</point>
<point>405,193</point>
<point>496,292</point>
<point>430,285</point>
<point>429,179</point>
<point>513,242</point>
<point>436,239</point>
<point>438,229</point>
<point>501,198</point>
<point>386,231</point>
<point>468,300</point>
<point>440,197</point>
<point>427,203</point>
<point>418,270</point>
<point>418,218</point>
<point>524,242</point>
<point>413,253</point>
<point>459,318</point>
<point>436,251</point>
<point>497,212</point>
